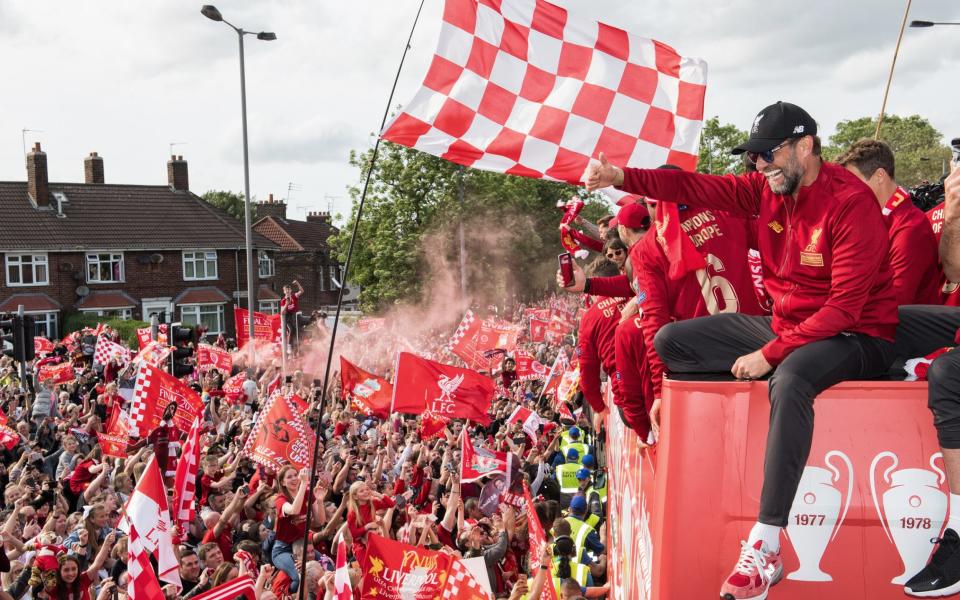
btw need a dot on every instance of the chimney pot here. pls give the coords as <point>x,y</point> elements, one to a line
<point>93,169</point>
<point>318,217</point>
<point>271,208</point>
<point>177,174</point>
<point>38,183</point>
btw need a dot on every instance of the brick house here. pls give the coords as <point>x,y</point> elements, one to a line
<point>303,254</point>
<point>125,251</point>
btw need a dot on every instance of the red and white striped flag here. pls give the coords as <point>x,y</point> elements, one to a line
<point>530,420</point>
<point>106,349</point>
<point>524,88</point>
<point>148,513</point>
<point>563,411</point>
<point>185,481</point>
<point>241,586</point>
<point>560,366</point>
<point>142,584</point>
<point>343,590</point>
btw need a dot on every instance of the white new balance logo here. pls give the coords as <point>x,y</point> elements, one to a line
<point>798,129</point>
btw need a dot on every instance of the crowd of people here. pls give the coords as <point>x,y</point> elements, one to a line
<point>797,264</point>
<point>64,498</point>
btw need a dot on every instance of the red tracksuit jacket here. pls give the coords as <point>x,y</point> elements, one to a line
<point>596,349</point>
<point>948,293</point>
<point>914,251</point>
<point>825,253</point>
<point>724,286</point>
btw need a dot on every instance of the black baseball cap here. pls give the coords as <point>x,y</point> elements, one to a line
<point>776,123</point>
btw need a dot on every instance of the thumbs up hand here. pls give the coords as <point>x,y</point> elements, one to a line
<point>602,174</point>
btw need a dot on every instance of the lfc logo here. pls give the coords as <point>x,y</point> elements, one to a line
<point>814,239</point>
<point>810,257</point>
<point>775,226</point>
<point>367,388</point>
<point>443,405</point>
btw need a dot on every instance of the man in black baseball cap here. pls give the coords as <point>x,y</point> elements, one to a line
<point>824,252</point>
<point>776,127</point>
<point>774,124</point>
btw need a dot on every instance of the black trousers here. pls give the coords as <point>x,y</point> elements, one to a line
<point>712,344</point>
<point>922,330</point>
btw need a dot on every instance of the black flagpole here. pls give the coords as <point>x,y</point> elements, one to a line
<point>336,319</point>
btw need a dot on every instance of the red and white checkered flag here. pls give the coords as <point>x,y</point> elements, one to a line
<point>107,349</point>
<point>468,325</point>
<point>461,585</point>
<point>143,584</point>
<point>185,481</point>
<point>522,87</point>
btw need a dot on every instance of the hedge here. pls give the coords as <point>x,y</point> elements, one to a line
<point>127,329</point>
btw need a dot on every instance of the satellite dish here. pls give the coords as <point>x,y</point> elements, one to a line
<point>83,291</point>
<point>156,258</point>
<point>351,293</point>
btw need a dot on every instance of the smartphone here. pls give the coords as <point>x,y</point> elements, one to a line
<point>566,268</point>
<point>288,379</point>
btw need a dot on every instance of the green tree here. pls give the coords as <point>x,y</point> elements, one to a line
<point>916,144</point>
<point>408,232</point>
<point>716,141</point>
<point>232,202</point>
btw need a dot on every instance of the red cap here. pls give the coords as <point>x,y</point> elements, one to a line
<point>634,216</point>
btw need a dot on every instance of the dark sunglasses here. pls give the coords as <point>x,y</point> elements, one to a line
<point>613,253</point>
<point>767,155</point>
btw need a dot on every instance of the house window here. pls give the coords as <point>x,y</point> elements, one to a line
<point>199,264</point>
<point>111,313</point>
<point>105,268</point>
<point>271,307</point>
<point>208,315</point>
<point>27,269</point>
<point>45,325</point>
<point>335,282</point>
<point>266,264</point>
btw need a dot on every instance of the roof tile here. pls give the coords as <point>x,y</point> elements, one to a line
<point>122,217</point>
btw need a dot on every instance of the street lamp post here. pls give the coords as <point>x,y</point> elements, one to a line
<point>923,24</point>
<point>211,12</point>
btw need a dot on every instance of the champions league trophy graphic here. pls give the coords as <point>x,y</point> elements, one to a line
<point>813,518</point>
<point>912,510</point>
